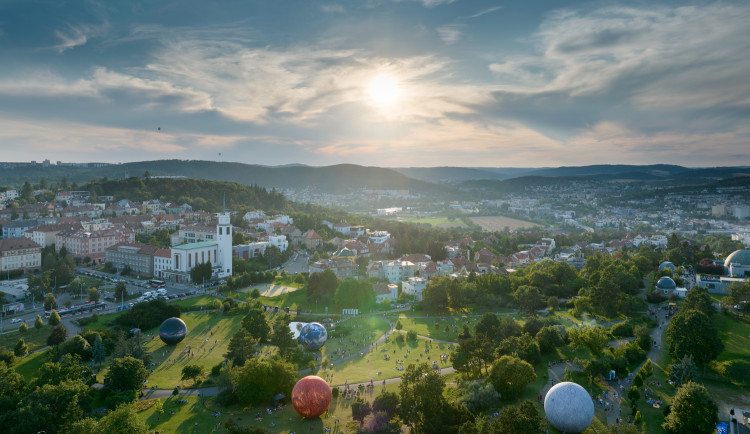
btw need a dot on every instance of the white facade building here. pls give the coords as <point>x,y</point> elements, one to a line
<point>218,253</point>
<point>414,286</point>
<point>397,271</point>
<point>378,237</point>
<point>279,241</point>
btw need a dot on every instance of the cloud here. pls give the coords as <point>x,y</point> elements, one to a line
<point>486,11</point>
<point>450,33</point>
<point>332,8</point>
<point>659,55</point>
<point>604,139</point>
<point>73,36</point>
<point>107,86</point>
<point>83,142</point>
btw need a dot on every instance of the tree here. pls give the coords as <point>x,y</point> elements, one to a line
<point>594,338</point>
<point>529,299</point>
<point>127,373</point>
<point>435,295</point>
<point>260,379</point>
<point>256,324</point>
<point>50,302</point>
<point>360,409</point>
<point>692,410</point>
<point>739,295</point>
<point>524,418</point>
<point>553,302</point>
<point>122,420</point>
<point>272,256</point>
<point>54,318</point>
<point>510,375</point>
<point>38,285</point>
<point>241,347</point>
<point>38,323</point>
<point>437,251</point>
<point>201,273</point>
<point>321,286</point>
<point>58,335</point>
<point>21,348</point>
<point>683,371</point>
<point>94,294</point>
<point>699,299</point>
<point>27,191</point>
<point>121,291</point>
<point>354,294</point>
<point>386,402</point>
<point>282,335</point>
<point>192,372</point>
<point>692,332</point>
<point>98,351</point>
<point>422,400</point>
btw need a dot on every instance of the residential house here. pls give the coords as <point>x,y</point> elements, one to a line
<point>162,262</point>
<point>385,291</point>
<point>311,240</point>
<point>93,244</point>
<point>414,286</point>
<point>342,267</point>
<point>397,271</point>
<point>20,254</point>
<point>137,257</point>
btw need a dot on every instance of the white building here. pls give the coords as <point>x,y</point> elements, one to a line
<point>414,286</point>
<point>162,262</point>
<point>279,241</point>
<point>218,253</point>
<point>397,271</point>
<point>386,291</point>
<point>378,237</point>
<point>254,215</point>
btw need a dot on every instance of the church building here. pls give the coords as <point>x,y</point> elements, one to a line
<point>218,252</point>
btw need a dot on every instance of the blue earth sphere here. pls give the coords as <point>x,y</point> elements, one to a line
<point>313,336</point>
<point>172,331</point>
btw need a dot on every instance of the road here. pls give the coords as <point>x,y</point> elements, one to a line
<point>297,263</point>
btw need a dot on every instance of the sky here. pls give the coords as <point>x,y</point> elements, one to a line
<point>390,83</point>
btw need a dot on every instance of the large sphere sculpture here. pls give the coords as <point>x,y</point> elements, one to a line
<point>311,396</point>
<point>313,336</point>
<point>569,407</point>
<point>172,331</point>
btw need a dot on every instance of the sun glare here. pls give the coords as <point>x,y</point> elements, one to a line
<point>384,90</point>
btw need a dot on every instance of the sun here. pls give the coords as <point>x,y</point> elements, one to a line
<point>384,90</point>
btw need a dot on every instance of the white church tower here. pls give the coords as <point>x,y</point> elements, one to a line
<point>224,241</point>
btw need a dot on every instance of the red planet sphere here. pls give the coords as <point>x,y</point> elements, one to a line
<point>311,396</point>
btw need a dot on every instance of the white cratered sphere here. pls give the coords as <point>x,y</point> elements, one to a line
<point>569,407</point>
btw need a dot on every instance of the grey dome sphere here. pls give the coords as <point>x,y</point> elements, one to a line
<point>667,264</point>
<point>666,283</point>
<point>741,257</point>
<point>569,407</point>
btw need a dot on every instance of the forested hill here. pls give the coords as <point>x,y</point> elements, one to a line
<point>199,193</point>
<point>334,179</point>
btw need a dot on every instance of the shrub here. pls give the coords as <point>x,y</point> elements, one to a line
<point>622,330</point>
<point>148,315</point>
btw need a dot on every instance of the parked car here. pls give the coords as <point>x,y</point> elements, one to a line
<point>16,321</point>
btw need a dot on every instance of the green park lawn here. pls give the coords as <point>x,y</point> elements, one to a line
<point>34,338</point>
<point>362,369</point>
<point>29,364</point>
<point>285,420</point>
<point>736,338</point>
<point>354,334</point>
<point>167,375</point>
